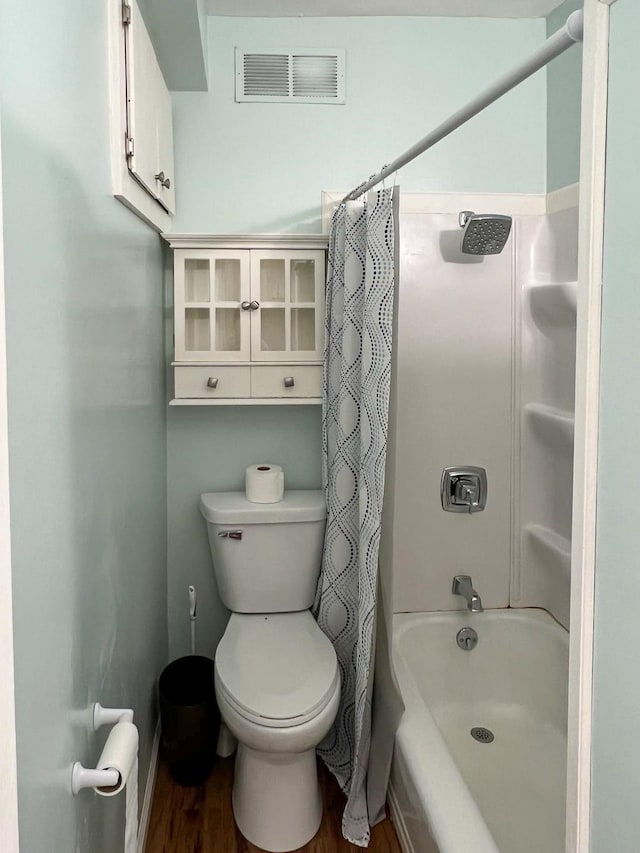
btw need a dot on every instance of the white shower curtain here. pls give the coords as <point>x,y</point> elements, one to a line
<point>357,376</point>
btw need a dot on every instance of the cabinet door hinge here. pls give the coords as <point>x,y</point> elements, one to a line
<point>128,146</point>
<point>126,13</point>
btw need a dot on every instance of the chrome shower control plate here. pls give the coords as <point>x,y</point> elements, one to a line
<point>463,488</point>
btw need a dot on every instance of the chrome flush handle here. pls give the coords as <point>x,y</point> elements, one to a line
<point>230,534</point>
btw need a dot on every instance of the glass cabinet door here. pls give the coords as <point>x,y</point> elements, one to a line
<point>288,286</point>
<point>211,288</point>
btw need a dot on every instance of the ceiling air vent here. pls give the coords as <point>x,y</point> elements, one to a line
<point>306,75</point>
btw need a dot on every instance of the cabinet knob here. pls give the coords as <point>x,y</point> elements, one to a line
<point>255,305</point>
<point>164,182</point>
<point>289,382</point>
<point>246,306</point>
<point>212,382</point>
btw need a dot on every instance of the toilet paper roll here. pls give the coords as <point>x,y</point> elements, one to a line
<point>131,811</point>
<point>120,753</point>
<point>264,483</point>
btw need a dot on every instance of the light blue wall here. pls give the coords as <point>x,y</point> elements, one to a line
<point>86,423</point>
<point>564,92</point>
<point>261,168</point>
<point>616,749</point>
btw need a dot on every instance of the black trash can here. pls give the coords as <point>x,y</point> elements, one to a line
<point>190,718</point>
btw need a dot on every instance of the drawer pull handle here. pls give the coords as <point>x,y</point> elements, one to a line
<point>289,381</point>
<point>212,382</point>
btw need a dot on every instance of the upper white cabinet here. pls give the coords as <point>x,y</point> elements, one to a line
<point>253,308</point>
<point>142,167</point>
<point>149,143</point>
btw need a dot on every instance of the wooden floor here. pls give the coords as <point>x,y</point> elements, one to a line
<point>200,820</point>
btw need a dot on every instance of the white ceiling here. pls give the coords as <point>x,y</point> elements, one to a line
<point>330,8</point>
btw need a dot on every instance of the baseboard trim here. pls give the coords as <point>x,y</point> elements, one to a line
<point>398,821</point>
<point>149,788</point>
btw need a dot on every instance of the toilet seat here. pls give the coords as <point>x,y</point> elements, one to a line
<point>276,669</point>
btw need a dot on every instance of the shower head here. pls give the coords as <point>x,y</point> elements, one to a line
<point>484,233</point>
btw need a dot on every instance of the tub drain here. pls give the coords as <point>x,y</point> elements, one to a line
<point>481,734</point>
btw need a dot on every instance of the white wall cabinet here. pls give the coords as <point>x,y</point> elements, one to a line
<point>141,127</point>
<point>248,318</point>
<point>149,121</point>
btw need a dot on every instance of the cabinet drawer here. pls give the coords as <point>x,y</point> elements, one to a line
<point>270,381</point>
<point>231,381</point>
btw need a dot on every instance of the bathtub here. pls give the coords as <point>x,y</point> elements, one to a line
<point>451,793</point>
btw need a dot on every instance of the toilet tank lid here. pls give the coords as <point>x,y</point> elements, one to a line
<point>234,508</point>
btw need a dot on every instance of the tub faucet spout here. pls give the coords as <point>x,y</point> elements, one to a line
<point>463,586</point>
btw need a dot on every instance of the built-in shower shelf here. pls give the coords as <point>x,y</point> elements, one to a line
<point>554,304</point>
<point>550,546</point>
<point>551,424</point>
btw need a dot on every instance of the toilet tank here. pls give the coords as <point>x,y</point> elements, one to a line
<point>266,557</point>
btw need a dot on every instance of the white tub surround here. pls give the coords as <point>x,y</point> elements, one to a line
<point>454,400</point>
<point>545,371</point>
<point>486,372</point>
<point>451,793</point>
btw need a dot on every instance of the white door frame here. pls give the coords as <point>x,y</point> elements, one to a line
<point>8,768</point>
<point>583,551</point>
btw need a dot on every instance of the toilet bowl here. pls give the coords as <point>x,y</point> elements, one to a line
<point>278,689</point>
<point>277,680</point>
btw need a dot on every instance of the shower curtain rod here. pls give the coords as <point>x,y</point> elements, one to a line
<point>565,38</point>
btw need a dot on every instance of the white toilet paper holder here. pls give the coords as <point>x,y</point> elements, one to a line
<point>110,716</point>
<point>85,777</point>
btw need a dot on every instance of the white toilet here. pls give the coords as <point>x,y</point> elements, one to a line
<point>276,674</point>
